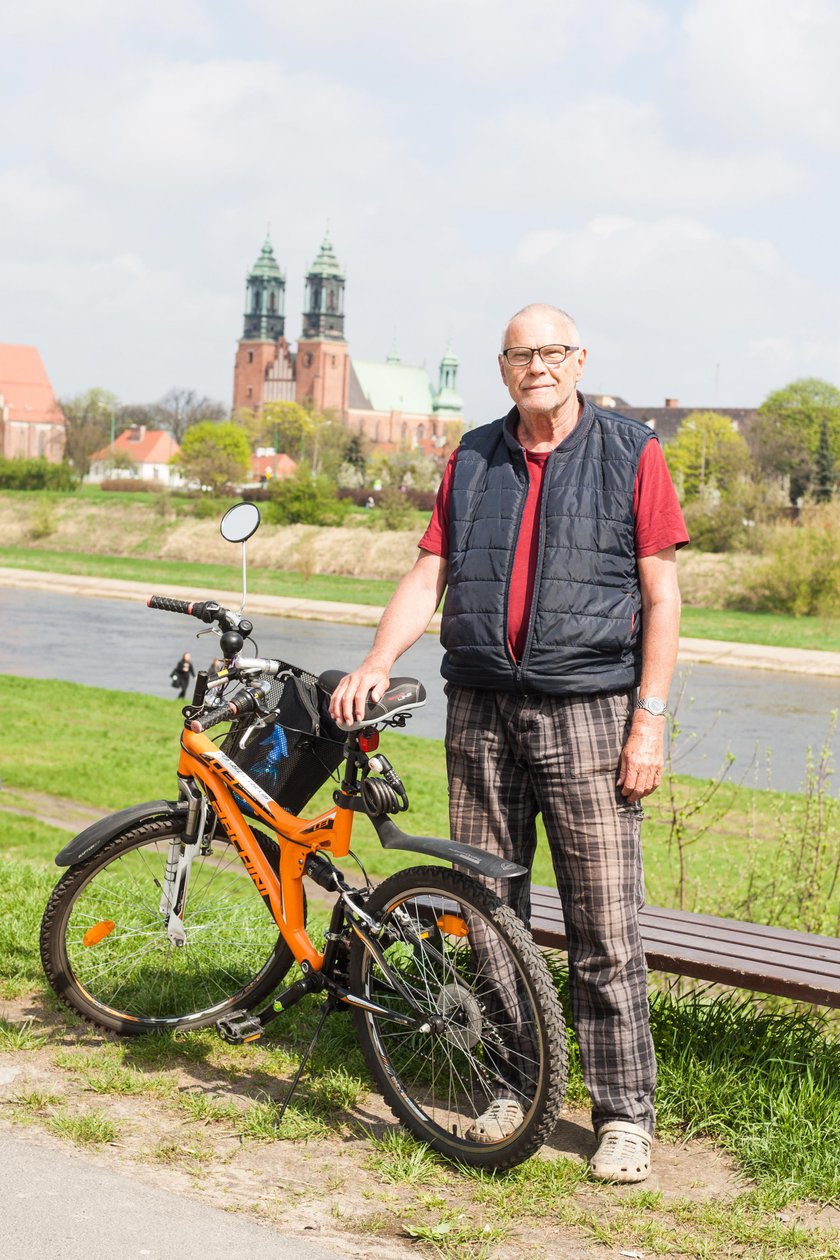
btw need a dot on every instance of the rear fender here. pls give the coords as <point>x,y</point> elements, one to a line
<point>463,855</point>
<point>92,839</point>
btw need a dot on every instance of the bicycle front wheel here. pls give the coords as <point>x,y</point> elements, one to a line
<point>106,949</point>
<point>493,1030</point>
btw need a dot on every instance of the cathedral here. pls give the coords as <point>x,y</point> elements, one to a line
<point>390,403</point>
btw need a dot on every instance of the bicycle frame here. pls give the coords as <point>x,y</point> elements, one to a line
<point>201,759</point>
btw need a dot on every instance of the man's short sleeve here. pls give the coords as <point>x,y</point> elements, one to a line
<point>436,537</point>
<point>659,518</point>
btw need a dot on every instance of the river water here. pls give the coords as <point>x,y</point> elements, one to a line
<point>766,720</point>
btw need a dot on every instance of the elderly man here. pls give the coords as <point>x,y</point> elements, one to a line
<point>554,534</point>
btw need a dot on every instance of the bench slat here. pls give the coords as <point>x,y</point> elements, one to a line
<point>746,955</point>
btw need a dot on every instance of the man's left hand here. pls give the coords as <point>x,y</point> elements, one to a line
<point>642,757</point>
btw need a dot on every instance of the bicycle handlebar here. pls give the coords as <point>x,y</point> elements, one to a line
<point>205,610</point>
<point>246,702</point>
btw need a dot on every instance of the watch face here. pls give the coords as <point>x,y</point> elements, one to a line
<point>652,705</point>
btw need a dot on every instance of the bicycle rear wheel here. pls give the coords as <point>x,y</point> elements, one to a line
<point>105,948</point>
<point>496,1025</point>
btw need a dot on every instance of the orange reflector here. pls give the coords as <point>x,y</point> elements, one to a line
<point>98,932</point>
<point>452,925</point>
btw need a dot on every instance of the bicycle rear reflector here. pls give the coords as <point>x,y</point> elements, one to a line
<point>98,932</point>
<point>370,742</point>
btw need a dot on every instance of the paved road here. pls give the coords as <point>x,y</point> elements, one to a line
<point>57,1205</point>
<point>121,644</point>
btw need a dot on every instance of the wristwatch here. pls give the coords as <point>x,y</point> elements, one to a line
<point>652,704</point>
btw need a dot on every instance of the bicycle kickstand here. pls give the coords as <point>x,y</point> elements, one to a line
<point>326,1010</point>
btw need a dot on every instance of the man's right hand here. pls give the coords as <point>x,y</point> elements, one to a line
<point>349,700</point>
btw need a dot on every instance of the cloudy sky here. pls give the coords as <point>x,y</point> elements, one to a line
<point>665,171</point>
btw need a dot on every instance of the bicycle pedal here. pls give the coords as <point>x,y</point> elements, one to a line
<point>239,1027</point>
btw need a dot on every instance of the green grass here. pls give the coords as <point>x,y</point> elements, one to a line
<point>763,1083</point>
<point>87,1128</point>
<point>201,577</point>
<point>76,744</point>
<point>821,634</point>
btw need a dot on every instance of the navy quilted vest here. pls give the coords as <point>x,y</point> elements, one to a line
<point>584,631</point>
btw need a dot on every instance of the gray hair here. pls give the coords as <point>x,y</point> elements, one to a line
<point>546,308</point>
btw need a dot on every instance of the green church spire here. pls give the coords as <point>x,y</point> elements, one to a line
<point>323,315</point>
<point>265,296</point>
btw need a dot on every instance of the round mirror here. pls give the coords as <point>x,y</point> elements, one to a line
<point>240,522</point>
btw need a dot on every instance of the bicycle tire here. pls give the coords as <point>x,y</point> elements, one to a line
<point>462,954</point>
<point>233,959</point>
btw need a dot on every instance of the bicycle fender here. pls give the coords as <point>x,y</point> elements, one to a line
<point>463,855</point>
<point>89,841</point>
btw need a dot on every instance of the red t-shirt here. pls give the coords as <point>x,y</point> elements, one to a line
<point>658,524</point>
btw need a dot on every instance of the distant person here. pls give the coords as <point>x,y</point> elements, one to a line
<point>181,675</point>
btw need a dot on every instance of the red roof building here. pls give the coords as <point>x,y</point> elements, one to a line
<point>31,422</point>
<point>266,465</point>
<point>150,449</point>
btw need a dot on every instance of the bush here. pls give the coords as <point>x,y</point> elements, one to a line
<point>36,474</point>
<point>421,500</point>
<point>799,574</point>
<point>305,500</point>
<point>130,485</point>
<point>716,527</point>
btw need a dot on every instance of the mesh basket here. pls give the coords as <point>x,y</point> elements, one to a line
<point>298,748</point>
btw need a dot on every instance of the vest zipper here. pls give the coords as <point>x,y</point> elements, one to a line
<point>523,500</point>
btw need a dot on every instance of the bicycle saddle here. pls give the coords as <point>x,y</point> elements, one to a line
<point>403,695</point>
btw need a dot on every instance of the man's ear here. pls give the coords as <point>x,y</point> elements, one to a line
<point>580,356</point>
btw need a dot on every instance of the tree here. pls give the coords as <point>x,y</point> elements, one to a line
<point>176,411</point>
<point>215,454</point>
<point>785,435</point>
<point>826,476</point>
<point>706,452</point>
<point>314,437</point>
<point>88,418</point>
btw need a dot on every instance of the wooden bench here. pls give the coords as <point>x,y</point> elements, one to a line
<point>745,955</point>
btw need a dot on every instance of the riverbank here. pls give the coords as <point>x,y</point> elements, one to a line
<point>692,651</point>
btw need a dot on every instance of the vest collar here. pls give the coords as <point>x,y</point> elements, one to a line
<point>577,435</point>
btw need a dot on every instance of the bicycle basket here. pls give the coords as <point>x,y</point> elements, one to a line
<point>298,748</point>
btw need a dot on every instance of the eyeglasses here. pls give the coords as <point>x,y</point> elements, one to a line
<point>521,356</point>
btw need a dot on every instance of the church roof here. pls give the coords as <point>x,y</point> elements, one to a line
<point>326,264</point>
<point>392,387</point>
<point>266,265</point>
<point>25,389</point>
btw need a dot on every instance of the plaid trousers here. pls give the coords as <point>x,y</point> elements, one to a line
<point>510,757</point>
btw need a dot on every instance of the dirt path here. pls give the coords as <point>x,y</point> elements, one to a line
<point>338,1186</point>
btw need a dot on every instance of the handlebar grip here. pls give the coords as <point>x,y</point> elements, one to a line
<point>245,703</point>
<point>205,610</point>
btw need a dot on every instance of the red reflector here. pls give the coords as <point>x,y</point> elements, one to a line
<point>369,743</point>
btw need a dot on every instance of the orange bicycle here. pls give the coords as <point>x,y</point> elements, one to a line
<point>155,926</point>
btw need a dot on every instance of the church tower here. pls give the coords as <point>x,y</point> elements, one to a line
<point>322,364</point>
<point>262,352</point>
<point>448,404</point>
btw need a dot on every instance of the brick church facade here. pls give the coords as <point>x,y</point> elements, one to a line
<point>390,403</point>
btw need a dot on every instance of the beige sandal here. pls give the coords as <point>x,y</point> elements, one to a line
<point>623,1153</point>
<point>501,1120</point>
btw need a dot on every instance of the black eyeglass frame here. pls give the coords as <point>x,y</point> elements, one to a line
<point>555,345</point>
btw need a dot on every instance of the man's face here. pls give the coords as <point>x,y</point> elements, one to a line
<point>539,387</point>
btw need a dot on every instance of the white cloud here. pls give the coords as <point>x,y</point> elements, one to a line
<point>603,151</point>
<point>765,68</point>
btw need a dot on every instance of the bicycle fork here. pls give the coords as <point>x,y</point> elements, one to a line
<point>176,879</point>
